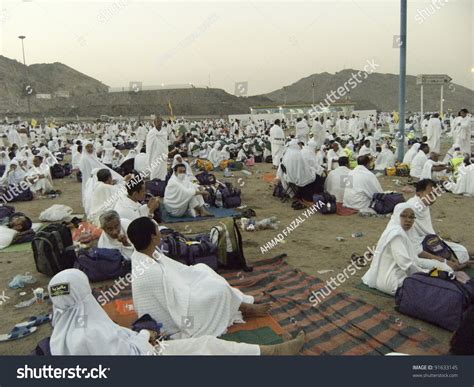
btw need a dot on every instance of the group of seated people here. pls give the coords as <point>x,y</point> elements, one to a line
<point>194,304</point>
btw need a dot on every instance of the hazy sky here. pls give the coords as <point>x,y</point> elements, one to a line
<point>269,44</point>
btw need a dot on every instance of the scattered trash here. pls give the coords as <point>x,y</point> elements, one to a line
<point>340,239</point>
<point>20,280</point>
<point>242,207</point>
<point>23,294</point>
<point>324,271</point>
<point>264,224</point>
<point>39,294</point>
<point>358,235</point>
<point>228,173</point>
<point>25,304</point>
<point>248,173</point>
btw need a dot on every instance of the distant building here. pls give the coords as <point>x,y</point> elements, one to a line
<point>61,94</point>
<point>291,112</point>
<point>43,96</point>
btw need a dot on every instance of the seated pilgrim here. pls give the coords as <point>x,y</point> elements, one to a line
<point>361,185</point>
<point>434,169</point>
<point>395,256</point>
<point>72,299</point>
<point>178,159</point>
<point>129,206</point>
<point>424,198</point>
<point>104,194</point>
<point>18,230</point>
<point>385,159</point>
<point>465,179</point>
<point>39,177</point>
<point>190,301</point>
<point>294,169</point>
<point>418,162</point>
<point>114,234</point>
<point>337,179</point>
<point>183,197</point>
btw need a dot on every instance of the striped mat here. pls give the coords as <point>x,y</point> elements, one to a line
<point>339,325</point>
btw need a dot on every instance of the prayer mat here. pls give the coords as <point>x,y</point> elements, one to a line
<point>269,177</point>
<point>217,212</point>
<point>339,325</point>
<point>344,211</point>
<point>260,336</point>
<point>365,288</point>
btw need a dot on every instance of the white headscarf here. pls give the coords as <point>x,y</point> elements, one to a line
<point>81,326</point>
<point>297,170</point>
<point>410,155</point>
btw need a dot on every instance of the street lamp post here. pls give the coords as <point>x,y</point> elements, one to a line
<point>22,37</point>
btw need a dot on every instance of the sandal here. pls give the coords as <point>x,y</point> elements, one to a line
<point>34,321</point>
<point>18,333</point>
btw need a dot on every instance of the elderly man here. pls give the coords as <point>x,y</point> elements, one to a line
<point>115,234</point>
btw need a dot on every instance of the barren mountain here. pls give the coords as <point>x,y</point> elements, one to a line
<point>379,91</point>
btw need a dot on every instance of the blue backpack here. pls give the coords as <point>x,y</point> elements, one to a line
<point>102,264</point>
<point>433,244</point>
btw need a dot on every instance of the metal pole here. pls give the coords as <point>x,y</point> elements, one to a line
<point>441,102</point>
<point>22,37</point>
<point>402,81</point>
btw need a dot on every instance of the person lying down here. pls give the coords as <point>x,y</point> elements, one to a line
<point>190,301</point>
<point>81,327</point>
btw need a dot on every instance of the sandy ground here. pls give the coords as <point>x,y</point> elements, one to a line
<point>311,247</point>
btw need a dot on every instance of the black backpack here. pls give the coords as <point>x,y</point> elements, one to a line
<point>326,203</point>
<point>230,196</point>
<point>53,249</point>
<point>57,171</point>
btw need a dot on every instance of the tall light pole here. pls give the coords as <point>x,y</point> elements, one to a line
<point>22,37</point>
<point>402,81</point>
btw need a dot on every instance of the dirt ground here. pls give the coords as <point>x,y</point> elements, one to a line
<point>311,247</point>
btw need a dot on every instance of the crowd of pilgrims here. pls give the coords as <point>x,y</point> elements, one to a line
<point>316,153</point>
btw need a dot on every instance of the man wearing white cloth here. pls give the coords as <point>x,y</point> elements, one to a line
<point>462,131</point>
<point>424,198</point>
<point>40,176</point>
<point>419,161</point>
<point>361,186</point>
<point>301,130</point>
<point>190,301</point>
<point>72,300</point>
<point>182,196</point>
<point>319,133</point>
<point>114,235</point>
<point>337,180</point>
<point>157,150</point>
<point>277,140</point>
<point>434,133</point>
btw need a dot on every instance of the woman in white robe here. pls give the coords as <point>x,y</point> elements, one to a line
<point>183,196</point>
<point>14,174</point>
<point>73,335</point>
<point>88,163</point>
<point>395,256</point>
<point>297,171</point>
<point>178,159</point>
<point>409,156</point>
<point>215,155</point>
<point>225,154</point>
<point>309,155</point>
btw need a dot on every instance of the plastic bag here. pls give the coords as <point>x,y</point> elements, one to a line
<point>56,213</point>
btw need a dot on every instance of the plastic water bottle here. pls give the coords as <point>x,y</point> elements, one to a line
<point>219,202</point>
<point>357,235</point>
